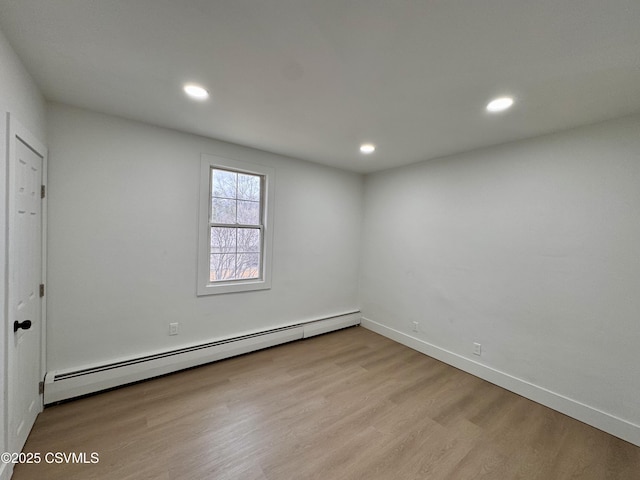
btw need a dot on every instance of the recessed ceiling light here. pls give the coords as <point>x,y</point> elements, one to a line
<point>499,104</point>
<point>367,148</point>
<point>196,91</point>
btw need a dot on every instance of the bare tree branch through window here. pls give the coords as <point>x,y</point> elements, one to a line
<point>236,226</point>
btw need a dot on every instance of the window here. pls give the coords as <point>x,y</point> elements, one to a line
<point>235,231</point>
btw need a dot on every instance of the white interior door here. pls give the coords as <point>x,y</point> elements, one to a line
<point>25,332</point>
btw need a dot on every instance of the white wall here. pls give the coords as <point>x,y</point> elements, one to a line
<point>19,96</point>
<point>123,210</point>
<point>18,92</point>
<point>531,249</point>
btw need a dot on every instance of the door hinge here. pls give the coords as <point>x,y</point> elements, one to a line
<point>42,191</point>
<point>41,388</point>
<point>41,290</point>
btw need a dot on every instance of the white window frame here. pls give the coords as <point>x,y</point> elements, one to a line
<point>205,286</point>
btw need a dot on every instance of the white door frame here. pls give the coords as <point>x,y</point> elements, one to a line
<point>4,413</point>
<point>10,128</point>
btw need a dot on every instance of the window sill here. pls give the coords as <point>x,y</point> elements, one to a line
<point>232,287</point>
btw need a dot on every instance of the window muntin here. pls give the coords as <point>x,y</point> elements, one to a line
<point>235,227</point>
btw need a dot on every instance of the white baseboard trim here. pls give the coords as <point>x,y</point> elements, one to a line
<point>65,384</point>
<point>592,416</point>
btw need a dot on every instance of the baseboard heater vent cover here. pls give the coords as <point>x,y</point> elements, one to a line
<point>63,385</point>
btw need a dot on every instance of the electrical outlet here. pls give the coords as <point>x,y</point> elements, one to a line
<point>415,326</point>
<point>173,328</point>
<point>477,349</point>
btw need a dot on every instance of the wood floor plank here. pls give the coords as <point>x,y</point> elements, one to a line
<point>347,405</point>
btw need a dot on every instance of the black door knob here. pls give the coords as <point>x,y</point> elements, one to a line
<point>26,325</point>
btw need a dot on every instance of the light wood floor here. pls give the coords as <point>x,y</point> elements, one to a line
<point>347,405</point>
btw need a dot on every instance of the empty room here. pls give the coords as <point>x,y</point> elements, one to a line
<point>276,240</point>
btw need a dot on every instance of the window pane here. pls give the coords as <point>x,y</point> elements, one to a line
<point>236,199</point>
<point>249,240</point>
<point>222,266</point>
<point>248,213</point>
<point>248,265</point>
<point>248,187</point>
<point>223,210</point>
<point>223,240</point>
<point>223,183</point>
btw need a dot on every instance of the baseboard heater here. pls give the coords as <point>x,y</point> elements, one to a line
<point>65,384</point>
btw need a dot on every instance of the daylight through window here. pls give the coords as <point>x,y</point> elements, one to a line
<point>236,227</point>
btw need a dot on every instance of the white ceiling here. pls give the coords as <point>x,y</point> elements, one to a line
<point>313,79</point>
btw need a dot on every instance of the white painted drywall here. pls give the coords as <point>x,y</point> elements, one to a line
<point>531,249</point>
<point>123,211</point>
<point>20,96</point>
<point>18,92</point>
